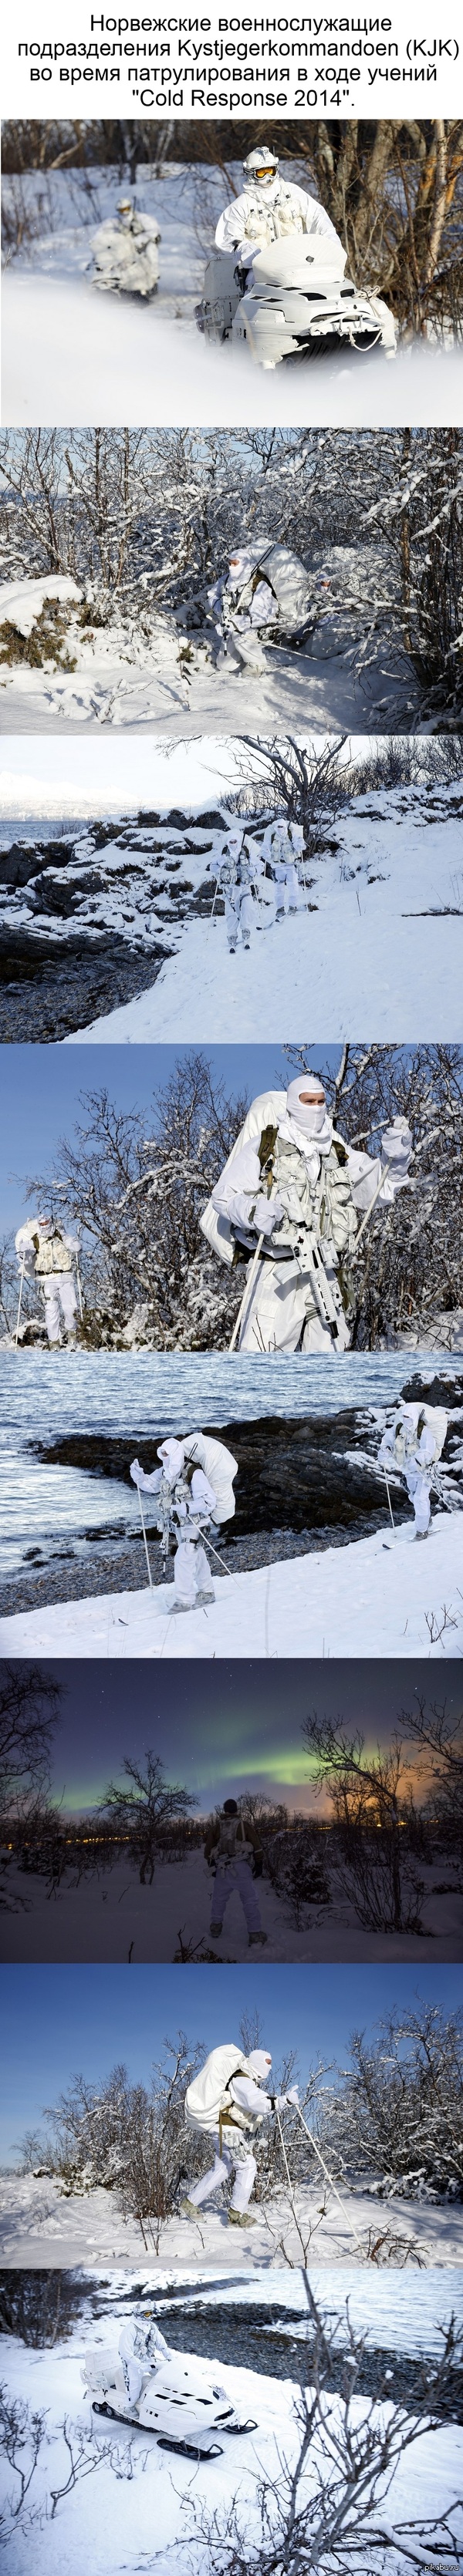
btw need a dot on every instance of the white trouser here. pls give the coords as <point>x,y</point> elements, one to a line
<point>239,916</point>
<point>278,1310</point>
<point>245,650</point>
<point>418,1487</point>
<point>231,1874</point>
<point>134,2376</point>
<point>234,2159</point>
<point>60,1302</point>
<point>191,1572</point>
<point>289,892</point>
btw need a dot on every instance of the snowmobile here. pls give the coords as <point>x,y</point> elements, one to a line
<point>179,2403</point>
<point>294,300</point>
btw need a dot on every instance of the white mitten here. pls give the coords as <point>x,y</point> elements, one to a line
<point>268,1213</point>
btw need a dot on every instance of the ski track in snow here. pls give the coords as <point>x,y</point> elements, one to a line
<point>374,1597</point>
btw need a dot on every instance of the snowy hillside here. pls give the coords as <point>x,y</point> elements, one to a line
<point>378,940</point>
<point>67,349</point>
<point>378,1596</point>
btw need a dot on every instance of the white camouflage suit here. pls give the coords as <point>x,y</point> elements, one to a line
<point>142,2348</point>
<point>188,1466</point>
<point>244,605</point>
<point>283,846</point>
<point>48,1255</point>
<point>266,214</point>
<point>248,895</point>
<point>126,253</point>
<point>243,2108</point>
<point>414,1443</point>
<point>317,1181</point>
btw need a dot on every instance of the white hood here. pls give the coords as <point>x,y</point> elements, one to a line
<point>306,1124</point>
<point>259,2064</point>
<point>171,1454</point>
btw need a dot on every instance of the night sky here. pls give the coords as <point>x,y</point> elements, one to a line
<point>221,1729</point>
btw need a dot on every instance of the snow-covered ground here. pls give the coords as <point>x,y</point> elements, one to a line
<point>392,1597</point>
<point>72,353</point>
<point>140,2498</point>
<point>137,680</point>
<point>377,946</point>
<point>379,940</point>
<point>111,1917</point>
<point>41,2225</point>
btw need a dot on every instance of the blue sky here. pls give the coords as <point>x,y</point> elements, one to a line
<point>40,1097</point>
<point>59,2021</point>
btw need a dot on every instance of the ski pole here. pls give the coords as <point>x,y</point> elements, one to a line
<point>389,1499</point>
<point>249,1284</point>
<point>79,1288</point>
<point>286,2166</point>
<point>20,1296</point>
<point>329,2179</point>
<point>150,1578</point>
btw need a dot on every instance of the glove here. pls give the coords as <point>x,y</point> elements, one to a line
<point>136,1472</point>
<point>293,2096</point>
<point>397,1143</point>
<point>282,2099</point>
<point>268,1213</point>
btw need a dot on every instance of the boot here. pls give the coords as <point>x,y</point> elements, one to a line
<point>188,2209</point>
<point>204,1596</point>
<point>256,1936</point>
<point>240,2218</point>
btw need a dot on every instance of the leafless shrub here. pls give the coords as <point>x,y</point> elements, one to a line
<point>326,2504</point>
<point>372,1807</point>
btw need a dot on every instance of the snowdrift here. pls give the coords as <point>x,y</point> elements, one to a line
<point>379,1596</point>
<point>40,2226</point>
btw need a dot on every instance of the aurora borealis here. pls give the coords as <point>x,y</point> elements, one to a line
<point>219,1730</point>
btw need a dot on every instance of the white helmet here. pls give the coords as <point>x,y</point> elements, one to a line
<point>262,167</point>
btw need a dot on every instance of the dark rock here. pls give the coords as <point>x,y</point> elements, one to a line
<point>291,1473</point>
<point>440,1390</point>
<point>48,989</point>
<point>18,866</point>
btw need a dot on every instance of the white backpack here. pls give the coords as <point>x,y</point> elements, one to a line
<point>204,2099</point>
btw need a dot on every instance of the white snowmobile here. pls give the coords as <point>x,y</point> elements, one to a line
<point>179,2402</point>
<point>293,300</point>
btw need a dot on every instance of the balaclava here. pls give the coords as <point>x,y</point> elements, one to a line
<point>171,1456</point>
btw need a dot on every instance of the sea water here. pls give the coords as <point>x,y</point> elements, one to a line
<point>149,1395</point>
